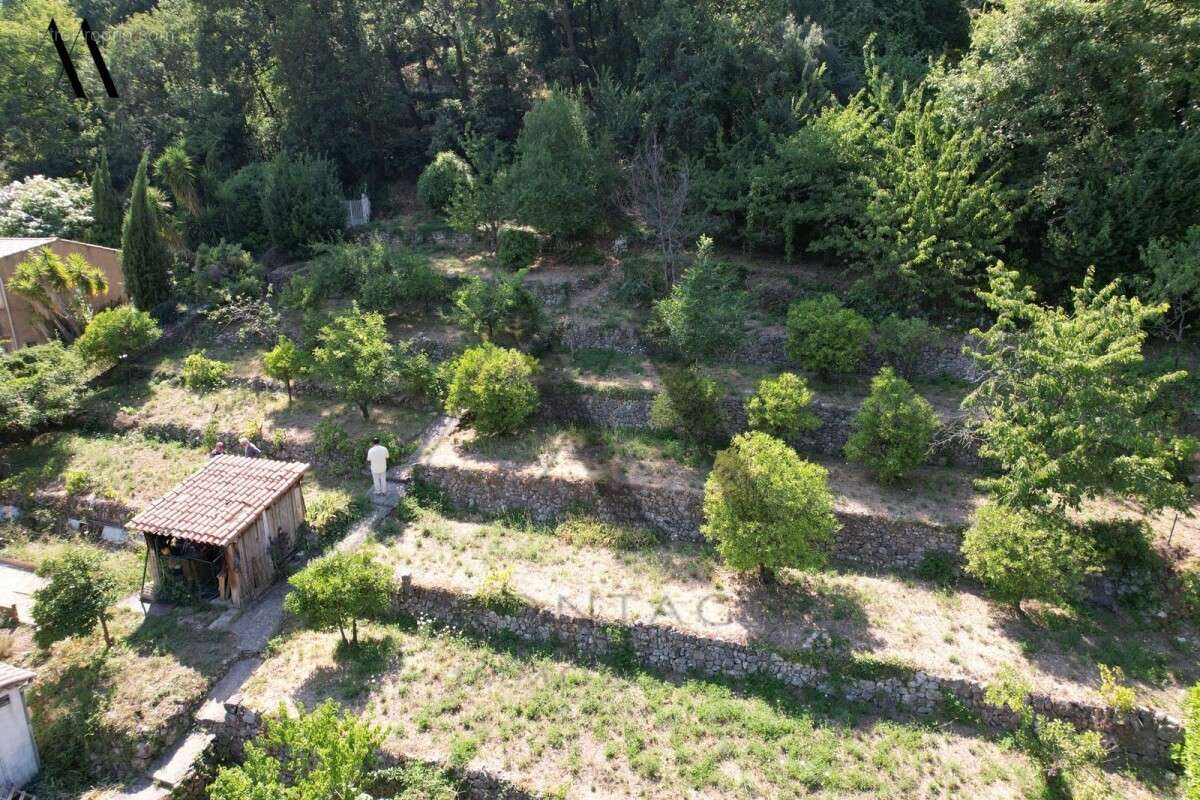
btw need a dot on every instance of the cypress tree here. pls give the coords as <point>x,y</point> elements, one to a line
<point>106,205</point>
<point>144,255</point>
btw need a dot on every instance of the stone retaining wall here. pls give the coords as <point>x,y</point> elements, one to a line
<point>1141,733</point>
<point>868,542</point>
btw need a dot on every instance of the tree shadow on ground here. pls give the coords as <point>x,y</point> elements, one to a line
<point>351,677</point>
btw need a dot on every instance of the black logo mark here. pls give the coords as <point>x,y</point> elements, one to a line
<point>69,66</point>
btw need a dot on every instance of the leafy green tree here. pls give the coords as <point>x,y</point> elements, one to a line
<point>301,202</point>
<point>203,374</point>
<point>75,599</point>
<point>1021,555</point>
<point>285,362</point>
<point>324,753</point>
<point>494,387</point>
<point>705,313</point>
<point>1190,752</point>
<point>690,404</point>
<point>481,203</point>
<point>446,176</point>
<point>338,590</point>
<point>354,357</point>
<point>106,205</point>
<point>1066,409</point>
<point>555,180</point>
<point>825,336</point>
<point>766,508</point>
<point>936,213</point>
<point>489,307</point>
<point>517,248</point>
<point>1174,279</point>
<point>145,259</point>
<point>116,333</point>
<point>40,385</point>
<point>782,406</point>
<point>1082,99</point>
<point>892,429</point>
<point>58,290</point>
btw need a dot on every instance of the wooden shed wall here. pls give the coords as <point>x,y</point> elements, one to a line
<point>250,558</point>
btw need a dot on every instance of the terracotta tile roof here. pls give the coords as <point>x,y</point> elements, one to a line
<point>11,676</point>
<point>218,502</point>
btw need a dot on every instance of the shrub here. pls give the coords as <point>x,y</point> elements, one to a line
<point>767,508</point>
<point>782,406</point>
<point>301,202</point>
<point>496,592</point>
<point>1190,751</point>
<point>75,598</point>
<point>705,312</point>
<point>643,279</point>
<point>1190,593</point>
<point>902,341</point>
<point>1054,744</point>
<point>41,206</point>
<point>691,404</point>
<point>324,753</point>
<point>591,532</point>
<point>445,176</point>
<point>825,336</point>
<point>936,567</point>
<point>338,590</point>
<point>555,181</point>
<point>285,362</point>
<point>116,333</point>
<point>1113,689</point>
<point>76,482</point>
<point>40,385</point>
<point>892,429</point>
<point>330,514</point>
<point>517,248</point>
<point>225,269</point>
<point>203,374</point>
<point>1019,555</point>
<point>494,387</point>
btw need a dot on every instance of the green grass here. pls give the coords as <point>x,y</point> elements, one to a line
<point>130,468</point>
<point>601,362</point>
<point>124,563</point>
<point>552,722</point>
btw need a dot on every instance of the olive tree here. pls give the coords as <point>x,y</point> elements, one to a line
<point>75,598</point>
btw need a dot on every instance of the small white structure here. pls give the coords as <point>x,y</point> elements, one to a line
<point>18,752</point>
<point>358,212</point>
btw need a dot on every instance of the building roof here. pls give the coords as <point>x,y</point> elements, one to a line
<point>19,244</point>
<point>219,501</point>
<point>11,677</point>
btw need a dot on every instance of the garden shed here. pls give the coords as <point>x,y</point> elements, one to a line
<point>18,751</point>
<point>225,530</point>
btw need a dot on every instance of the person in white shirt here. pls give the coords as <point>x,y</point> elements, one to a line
<point>377,457</point>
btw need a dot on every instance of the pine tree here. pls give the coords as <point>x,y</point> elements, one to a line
<point>106,205</point>
<point>144,255</point>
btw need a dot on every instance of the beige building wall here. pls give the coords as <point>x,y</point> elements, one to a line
<point>18,326</point>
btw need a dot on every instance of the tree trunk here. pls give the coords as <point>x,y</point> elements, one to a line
<point>288,384</point>
<point>766,575</point>
<point>342,631</point>
<point>107,636</point>
<point>365,409</point>
<point>354,629</point>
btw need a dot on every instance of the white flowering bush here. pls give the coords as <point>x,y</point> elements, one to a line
<point>41,206</point>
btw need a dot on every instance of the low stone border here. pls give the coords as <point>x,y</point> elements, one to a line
<point>869,542</point>
<point>1142,733</point>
